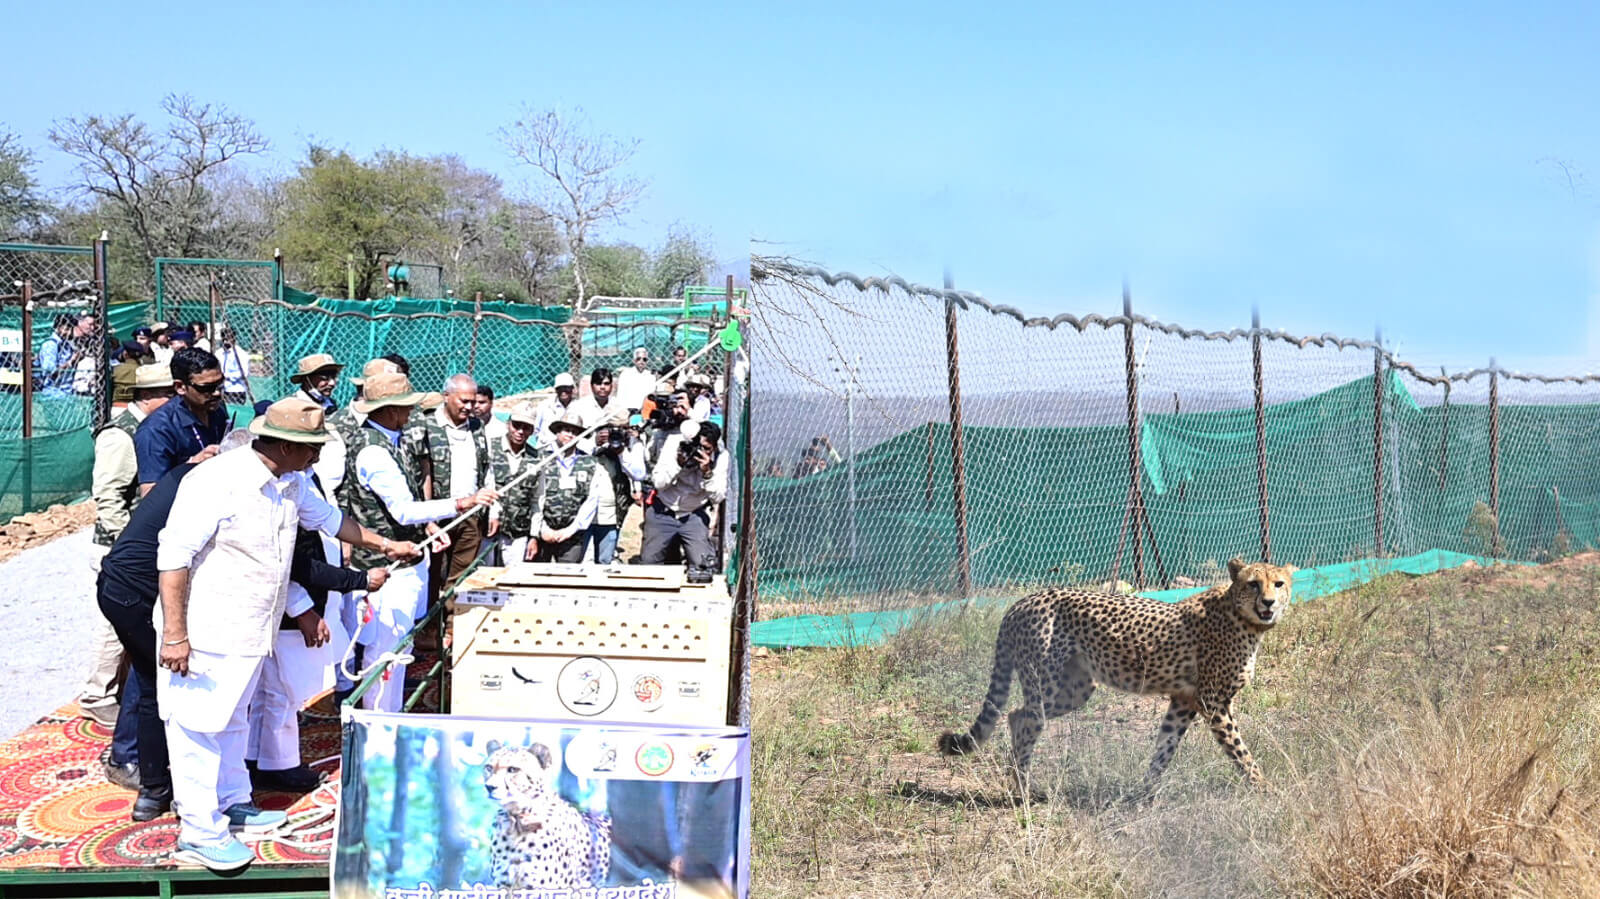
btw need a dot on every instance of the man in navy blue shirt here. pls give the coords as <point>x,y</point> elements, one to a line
<point>127,591</point>
<point>189,429</point>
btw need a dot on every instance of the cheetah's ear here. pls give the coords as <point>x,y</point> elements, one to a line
<point>542,753</point>
<point>1235,565</point>
<point>1290,570</point>
<point>492,747</point>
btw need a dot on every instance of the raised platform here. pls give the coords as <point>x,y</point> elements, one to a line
<point>65,830</point>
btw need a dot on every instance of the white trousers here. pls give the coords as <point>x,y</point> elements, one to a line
<point>394,611</point>
<point>274,716</point>
<point>208,730</point>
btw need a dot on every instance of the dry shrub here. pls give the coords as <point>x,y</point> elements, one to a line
<point>1485,800</point>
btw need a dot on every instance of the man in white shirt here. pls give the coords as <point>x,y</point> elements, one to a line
<point>553,410</point>
<point>698,387</point>
<point>460,468</point>
<point>224,559</point>
<point>635,381</point>
<point>599,406</point>
<point>383,493</point>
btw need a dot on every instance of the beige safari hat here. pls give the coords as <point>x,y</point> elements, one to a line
<point>525,413</point>
<point>618,419</point>
<point>152,377</point>
<point>389,388</point>
<point>374,367</point>
<point>568,422</point>
<point>314,363</point>
<point>296,419</point>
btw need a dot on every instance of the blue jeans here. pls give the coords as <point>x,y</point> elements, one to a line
<point>603,537</point>
<point>125,735</point>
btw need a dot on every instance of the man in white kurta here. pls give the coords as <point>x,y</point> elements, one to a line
<point>224,559</point>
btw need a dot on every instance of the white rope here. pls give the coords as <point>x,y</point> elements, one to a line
<point>501,488</point>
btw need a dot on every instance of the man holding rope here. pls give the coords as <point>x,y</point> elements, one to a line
<point>382,493</point>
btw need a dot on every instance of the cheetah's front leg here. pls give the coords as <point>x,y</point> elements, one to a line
<point>1227,734</point>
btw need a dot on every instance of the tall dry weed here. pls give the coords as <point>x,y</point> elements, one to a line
<point>1487,799</point>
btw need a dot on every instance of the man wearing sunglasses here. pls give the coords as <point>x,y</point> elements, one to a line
<point>189,429</point>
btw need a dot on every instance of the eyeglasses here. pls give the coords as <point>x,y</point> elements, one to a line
<point>213,387</point>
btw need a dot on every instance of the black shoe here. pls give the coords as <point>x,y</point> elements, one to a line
<point>150,806</point>
<point>299,779</point>
<point>124,775</point>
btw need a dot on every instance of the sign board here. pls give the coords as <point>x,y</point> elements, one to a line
<point>434,806</point>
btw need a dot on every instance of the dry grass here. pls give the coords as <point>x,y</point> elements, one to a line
<point>1421,737</point>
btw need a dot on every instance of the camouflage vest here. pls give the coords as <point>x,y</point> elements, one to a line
<point>360,503</point>
<point>427,452</point>
<point>345,423</point>
<point>561,504</point>
<point>621,484</point>
<point>516,504</point>
<point>127,424</point>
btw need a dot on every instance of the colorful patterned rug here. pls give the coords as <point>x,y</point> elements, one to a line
<point>58,811</point>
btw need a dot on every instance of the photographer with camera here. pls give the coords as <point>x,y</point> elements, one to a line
<point>690,477</point>
<point>620,456</point>
<point>665,412</point>
<point>566,497</point>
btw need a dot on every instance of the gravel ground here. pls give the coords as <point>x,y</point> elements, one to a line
<point>48,619</point>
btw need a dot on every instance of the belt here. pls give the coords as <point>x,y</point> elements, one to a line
<point>662,507</point>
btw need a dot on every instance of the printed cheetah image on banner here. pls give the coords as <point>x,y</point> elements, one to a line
<point>540,839</point>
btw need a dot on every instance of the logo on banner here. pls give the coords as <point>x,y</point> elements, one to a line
<point>654,758</point>
<point>705,756</point>
<point>587,686</point>
<point>648,690</point>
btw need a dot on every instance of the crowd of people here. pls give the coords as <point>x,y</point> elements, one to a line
<point>244,572</point>
<point>79,356</point>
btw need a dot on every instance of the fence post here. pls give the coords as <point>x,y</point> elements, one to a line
<point>102,290</point>
<point>277,274</point>
<point>1135,451</point>
<point>472,350</point>
<point>1377,441</point>
<point>1494,451</point>
<point>214,297</point>
<point>745,595</point>
<point>1261,433</point>
<point>727,416</point>
<point>958,461</point>
<point>27,395</point>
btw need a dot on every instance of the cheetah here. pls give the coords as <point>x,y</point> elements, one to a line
<point>540,839</point>
<point>1198,652</point>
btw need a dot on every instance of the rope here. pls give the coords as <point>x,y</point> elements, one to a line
<point>535,469</point>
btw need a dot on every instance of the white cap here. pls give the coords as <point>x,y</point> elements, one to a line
<point>565,380</point>
<point>689,429</point>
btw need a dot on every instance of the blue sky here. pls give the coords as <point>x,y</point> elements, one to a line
<point>1340,167</point>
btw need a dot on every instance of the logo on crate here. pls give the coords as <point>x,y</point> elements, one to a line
<point>648,690</point>
<point>705,756</point>
<point>654,758</point>
<point>587,686</point>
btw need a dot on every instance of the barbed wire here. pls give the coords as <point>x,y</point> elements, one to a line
<point>794,274</point>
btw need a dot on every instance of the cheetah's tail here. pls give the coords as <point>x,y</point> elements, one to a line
<point>995,701</point>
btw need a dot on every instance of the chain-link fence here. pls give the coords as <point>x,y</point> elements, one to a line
<point>913,441</point>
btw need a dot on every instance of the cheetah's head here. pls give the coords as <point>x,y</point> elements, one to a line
<point>514,776</point>
<point>1260,591</point>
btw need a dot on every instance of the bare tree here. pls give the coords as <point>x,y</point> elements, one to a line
<point>585,182</point>
<point>160,179</point>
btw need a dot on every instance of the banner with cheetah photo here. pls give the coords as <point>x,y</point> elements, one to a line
<point>434,806</point>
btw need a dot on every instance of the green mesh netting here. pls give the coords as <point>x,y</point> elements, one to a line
<point>1041,508</point>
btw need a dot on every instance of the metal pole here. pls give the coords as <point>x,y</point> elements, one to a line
<point>850,451</point>
<point>723,532</point>
<point>1377,442</point>
<point>27,396</point>
<point>215,299</point>
<point>102,291</point>
<point>745,595</point>
<point>1444,433</point>
<point>277,273</point>
<point>350,275</point>
<point>958,456</point>
<point>1135,460</point>
<point>1261,433</point>
<point>472,351</point>
<point>1494,450</point>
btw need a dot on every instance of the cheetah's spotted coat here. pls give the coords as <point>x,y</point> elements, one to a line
<point>540,839</point>
<point>1199,652</point>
